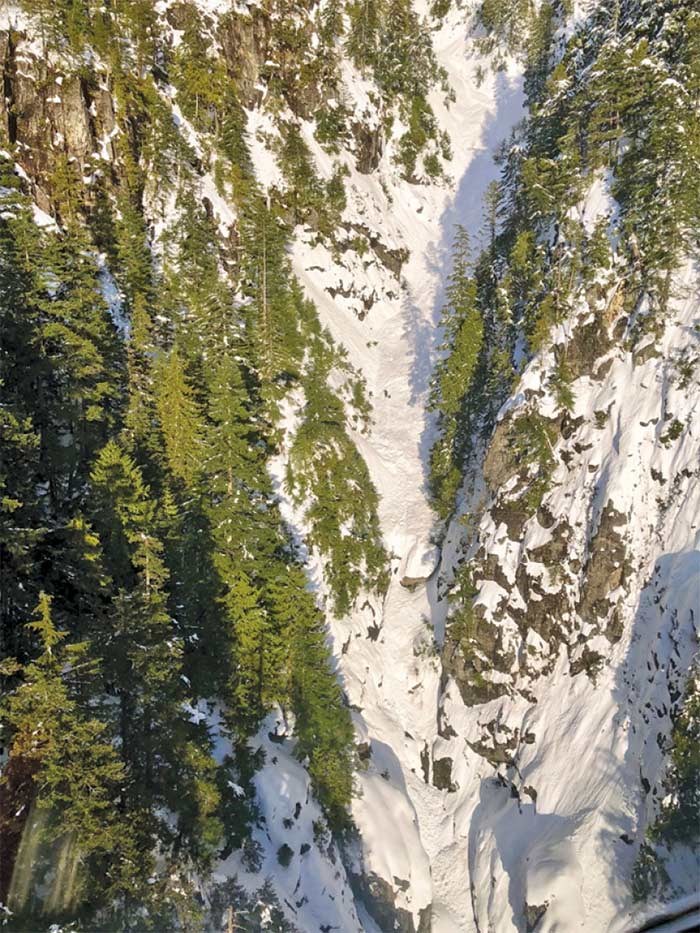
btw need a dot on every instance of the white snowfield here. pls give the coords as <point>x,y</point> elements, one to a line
<point>477,854</point>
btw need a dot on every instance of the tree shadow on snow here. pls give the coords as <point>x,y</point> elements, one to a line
<point>649,682</point>
<point>522,841</point>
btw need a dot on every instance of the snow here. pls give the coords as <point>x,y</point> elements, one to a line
<point>599,203</point>
<point>420,561</point>
<point>222,209</point>
<point>592,740</point>
<point>314,886</point>
<point>114,298</point>
<point>42,219</point>
<point>260,127</point>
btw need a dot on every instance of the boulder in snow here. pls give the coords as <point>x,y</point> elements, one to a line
<point>419,564</point>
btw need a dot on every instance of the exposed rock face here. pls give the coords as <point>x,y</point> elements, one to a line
<point>589,342</point>
<point>499,463</point>
<point>467,664</point>
<point>418,565</point>
<point>49,113</point>
<point>244,40</point>
<point>533,914</point>
<point>606,568</point>
<point>548,578</point>
<point>442,774</point>
<point>370,145</point>
<point>553,574</point>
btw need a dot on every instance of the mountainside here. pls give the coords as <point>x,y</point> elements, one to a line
<point>350,516</point>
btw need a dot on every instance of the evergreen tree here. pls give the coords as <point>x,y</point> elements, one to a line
<point>199,300</point>
<point>365,25</point>
<point>452,381</point>
<point>199,77</point>
<point>180,418</point>
<point>272,322</point>
<point>81,348</point>
<point>77,776</point>
<point>22,518</point>
<point>327,474</point>
<point>257,664</point>
<point>143,661</point>
<point>323,726</point>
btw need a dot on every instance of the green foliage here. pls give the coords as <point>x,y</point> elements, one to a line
<point>463,622</point>
<point>307,197</point>
<point>538,50</point>
<point>198,73</point>
<point>21,519</point>
<point>532,438</point>
<point>388,38</point>
<point>77,774</point>
<point>561,382</point>
<point>332,126</point>
<point>615,110</point>
<point>168,759</point>
<point>463,331</point>
<point>649,876</point>
<point>405,65</point>
<point>328,475</point>
<point>440,8</point>
<point>258,653</point>
<point>678,816</point>
<point>272,321</point>
<point>179,416</point>
<point>505,22</point>
<point>421,127</point>
<point>323,726</point>
<point>134,484</point>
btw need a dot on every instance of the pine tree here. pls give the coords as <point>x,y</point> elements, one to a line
<point>363,37</point>
<point>463,328</point>
<point>180,418</point>
<point>22,517</point>
<point>77,776</point>
<point>452,381</point>
<point>199,77</point>
<point>257,655</point>
<point>233,455</point>
<point>21,524</point>
<point>245,534</point>
<point>326,472</point>
<point>143,661</point>
<point>82,351</point>
<point>200,301</point>
<point>272,326</point>
<point>323,726</point>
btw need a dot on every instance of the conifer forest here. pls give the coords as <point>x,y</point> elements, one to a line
<point>349,466</point>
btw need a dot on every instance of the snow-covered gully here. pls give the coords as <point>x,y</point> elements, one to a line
<point>386,655</point>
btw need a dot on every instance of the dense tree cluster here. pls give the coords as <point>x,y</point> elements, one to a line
<point>145,568</point>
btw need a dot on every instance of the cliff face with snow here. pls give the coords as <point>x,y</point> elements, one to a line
<point>508,787</point>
